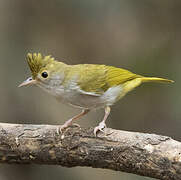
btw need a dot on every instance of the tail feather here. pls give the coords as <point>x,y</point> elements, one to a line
<point>155,79</point>
<point>130,85</point>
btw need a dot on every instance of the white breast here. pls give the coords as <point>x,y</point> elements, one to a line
<point>81,99</point>
<point>73,95</point>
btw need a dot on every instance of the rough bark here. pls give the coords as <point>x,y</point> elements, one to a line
<point>139,153</point>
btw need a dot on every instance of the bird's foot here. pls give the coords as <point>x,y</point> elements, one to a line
<point>67,124</point>
<point>100,127</point>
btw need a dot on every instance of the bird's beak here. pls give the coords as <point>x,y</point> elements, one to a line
<point>27,82</point>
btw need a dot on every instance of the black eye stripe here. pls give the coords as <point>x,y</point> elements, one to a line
<point>44,74</point>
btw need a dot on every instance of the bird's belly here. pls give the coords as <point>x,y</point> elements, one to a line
<point>90,101</point>
<point>86,101</point>
<point>78,100</point>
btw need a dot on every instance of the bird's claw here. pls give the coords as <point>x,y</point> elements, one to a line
<point>75,124</point>
<point>100,127</point>
<point>67,124</point>
<point>60,129</point>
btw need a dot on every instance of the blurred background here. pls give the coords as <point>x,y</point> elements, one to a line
<point>143,36</point>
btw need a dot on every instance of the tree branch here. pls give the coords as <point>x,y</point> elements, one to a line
<point>143,154</point>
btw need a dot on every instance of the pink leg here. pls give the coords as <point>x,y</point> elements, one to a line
<point>69,122</point>
<point>102,124</point>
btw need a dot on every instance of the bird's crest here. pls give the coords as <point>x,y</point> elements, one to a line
<point>36,62</point>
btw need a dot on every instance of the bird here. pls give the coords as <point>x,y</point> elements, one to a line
<point>84,86</point>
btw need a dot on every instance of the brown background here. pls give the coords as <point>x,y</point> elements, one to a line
<point>143,36</point>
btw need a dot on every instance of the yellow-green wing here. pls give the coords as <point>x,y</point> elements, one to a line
<point>96,79</point>
<point>92,79</point>
<point>117,76</point>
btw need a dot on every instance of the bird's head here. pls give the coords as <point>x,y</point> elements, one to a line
<point>46,72</point>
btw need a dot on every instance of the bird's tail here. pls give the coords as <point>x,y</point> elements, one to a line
<point>130,85</point>
<point>155,79</point>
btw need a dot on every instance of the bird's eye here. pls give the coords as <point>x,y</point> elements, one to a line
<point>44,74</point>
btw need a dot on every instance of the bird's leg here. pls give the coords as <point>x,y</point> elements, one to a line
<point>102,124</point>
<point>69,122</point>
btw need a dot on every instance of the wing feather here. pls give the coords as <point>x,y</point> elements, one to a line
<point>96,79</point>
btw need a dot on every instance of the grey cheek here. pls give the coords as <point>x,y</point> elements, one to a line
<point>55,82</point>
<point>57,79</point>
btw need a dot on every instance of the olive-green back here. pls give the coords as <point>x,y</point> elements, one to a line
<point>99,78</point>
